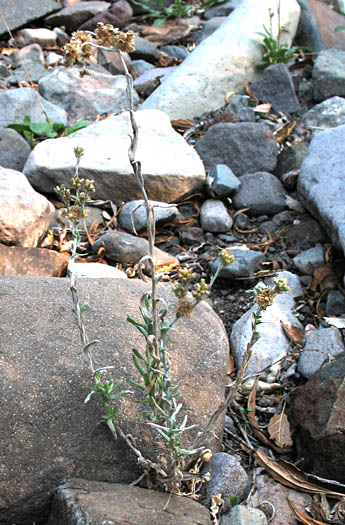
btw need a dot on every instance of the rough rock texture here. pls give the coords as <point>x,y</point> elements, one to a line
<point>16,103</point>
<point>224,62</point>
<point>121,247</point>
<point>72,17</point>
<point>171,168</point>
<point>321,346</point>
<point>87,96</point>
<point>22,12</point>
<point>117,15</point>
<point>272,343</point>
<point>15,260</point>
<point>277,88</point>
<point>328,75</point>
<point>14,149</point>
<point>237,146</point>
<point>269,490</point>
<point>214,216</point>
<point>24,214</point>
<point>317,410</point>
<point>163,213</point>
<point>324,163</point>
<point>82,501</point>
<point>227,477</point>
<point>328,114</point>
<point>48,434</point>
<point>262,192</point>
<point>43,37</point>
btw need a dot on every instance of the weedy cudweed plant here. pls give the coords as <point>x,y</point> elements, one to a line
<point>159,391</point>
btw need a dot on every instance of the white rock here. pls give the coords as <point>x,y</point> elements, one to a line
<point>171,168</point>
<point>224,62</point>
<point>97,271</point>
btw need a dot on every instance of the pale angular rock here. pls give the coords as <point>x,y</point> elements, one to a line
<point>98,271</point>
<point>320,346</point>
<point>87,96</point>
<point>24,214</point>
<point>243,515</point>
<point>101,503</point>
<point>50,433</point>
<point>42,36</point>
<point>321,182</point>
<point>328,114</point>
<point>246,263</point>
<point>273,343</point>
<point>21,12</point>
<point>16,103</point>
<point>171,168</point>
<point>214,216</point>
<point>309,260</point>
<point>224,62</point>
<point>72,17</point>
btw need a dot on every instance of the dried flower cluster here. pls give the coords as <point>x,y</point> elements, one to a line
<point>80,46</point>
<point>265,295</point>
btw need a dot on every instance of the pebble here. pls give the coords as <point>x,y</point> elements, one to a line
<point>246,263</point>
<point>306,262</point>
<point>262,192</point>
<point>320,346</point>
<point>222,181</point>
<point>227,477</point>
<point>214,216</point>
<point>162,212</point>
<point>242,515</point>
<point>335,304</point>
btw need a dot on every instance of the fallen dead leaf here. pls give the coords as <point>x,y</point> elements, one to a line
<point>251,94</point>
<point>279,430</point>
<point>303,518</point>
<point>263,108</point>
<point>290,476</point>
<point>322,274</point>
<point>231,365</point>
<point>285,131</point>
<point>293,333</point>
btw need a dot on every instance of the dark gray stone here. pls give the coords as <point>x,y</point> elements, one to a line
<point>209,27</point>
<point>291,158</point>
<point>72,17</point>
<point>335,304</point>
<point>227,477</point>
<point>141,66</point>
<point>175,51</point>
<point>3,70</point>
<point>239,104</point>
<point>245,147</point>
<point>328,114</point>
<point>163,213</point>
<point>246,263</point>
<point>14,149</point>
<point>148,81</point>
<point>321,346</point>
<point>145,50</point>
<point>309,260</point>
<point>22,12</point>
<point>223,9</point>
<point>222,182</point>
<point>117,15</point>
<point>35,70</point>
<point>329,75</point>
<point>276,87</point>
<point>321,182</point>
<point>307,32</point>
<point>305,235</point>
<point>262,192</point>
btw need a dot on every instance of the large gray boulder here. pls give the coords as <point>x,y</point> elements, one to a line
<point>223,62</point>
<point>48,434</point>
<point>321,184</point>
<point>22,12</point>
<point>171,168</point>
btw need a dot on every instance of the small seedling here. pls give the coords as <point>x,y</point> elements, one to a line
<point>35,132</point>
<point>160,12</point>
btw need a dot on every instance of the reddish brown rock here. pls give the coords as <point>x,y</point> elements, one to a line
<point>118,15</point>
<point>48,434</point>
<point>100,503</point>
<point>15,260</point>
<point>317,411</point>
<point>24,214</point>
<point>327,19</point>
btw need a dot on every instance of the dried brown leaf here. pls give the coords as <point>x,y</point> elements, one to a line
<point>251,94</point>
<point>263,108</point>
<point>231,365</point>
<point>320,274</point>
<point>279,430</point>
<point>290,476</point>
<point>293,333</point>
<point>285,131</point>
<point>303,518</point>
